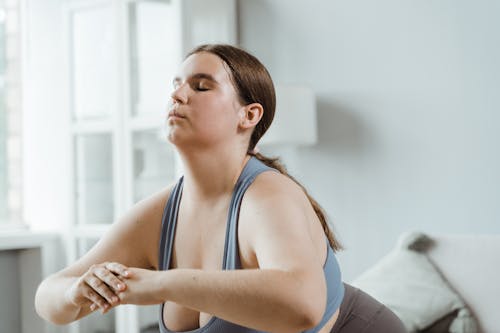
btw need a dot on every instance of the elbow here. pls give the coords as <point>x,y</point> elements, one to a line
<point>298,317</point>
<point>312,308</point>
<point>303,316</point>
<point>311,318</point>
<point>42,310</point>
<point>38,302</point>
<point>48,317</point>
<point>305,303</point>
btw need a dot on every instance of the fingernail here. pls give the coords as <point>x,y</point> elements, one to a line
<point>119,286</point>
<point>114,299</point>
<point>92,307</point>
<point>126,273</point>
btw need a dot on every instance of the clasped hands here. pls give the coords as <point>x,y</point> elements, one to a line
<point>109,284</point>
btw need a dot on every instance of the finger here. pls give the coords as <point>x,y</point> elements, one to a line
<point>94,307</point>
<point>118,268</point>
<point>98,301</point>
<point>110,279</point>
<point>101,288</point>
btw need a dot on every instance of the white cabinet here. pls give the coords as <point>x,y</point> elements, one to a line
<point>121,56</point>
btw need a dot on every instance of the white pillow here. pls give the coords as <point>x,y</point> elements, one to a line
<point>408,283</point>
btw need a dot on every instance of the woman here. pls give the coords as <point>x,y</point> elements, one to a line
<point>242,247</point>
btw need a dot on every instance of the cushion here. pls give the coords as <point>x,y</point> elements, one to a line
<point>441,325</point>
<point>468,262</point>
<point>406,281</point>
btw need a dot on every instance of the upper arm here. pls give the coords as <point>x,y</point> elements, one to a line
<point>132,240</point>
<point>275,217</point>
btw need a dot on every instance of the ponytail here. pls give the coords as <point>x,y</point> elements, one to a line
<point>275,163</point>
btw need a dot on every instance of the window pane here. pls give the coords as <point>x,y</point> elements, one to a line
<point>155,54</point>
<point>94,179</point>
<point>154,162</point>
<point>93,62</point>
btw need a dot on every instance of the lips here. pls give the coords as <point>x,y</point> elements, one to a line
<point>175,113</point>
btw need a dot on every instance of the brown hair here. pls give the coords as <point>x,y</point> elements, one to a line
<point>253,84</point>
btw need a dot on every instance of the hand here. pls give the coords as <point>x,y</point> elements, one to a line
<point>143,287</point>
<point>99,286</point>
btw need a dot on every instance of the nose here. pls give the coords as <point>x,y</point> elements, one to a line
<point>179,95</point>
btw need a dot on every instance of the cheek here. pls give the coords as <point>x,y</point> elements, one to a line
<point>217,113</point>
<point>220,124</point>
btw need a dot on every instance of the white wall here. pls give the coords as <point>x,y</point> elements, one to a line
<point>406,93</point>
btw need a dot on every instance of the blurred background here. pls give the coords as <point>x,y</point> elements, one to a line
<point>405,123</point>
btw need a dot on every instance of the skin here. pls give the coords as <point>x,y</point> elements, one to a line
<point>281,242</point>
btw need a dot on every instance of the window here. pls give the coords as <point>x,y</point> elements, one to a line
<point>3,121</point>
<point>10,114</point>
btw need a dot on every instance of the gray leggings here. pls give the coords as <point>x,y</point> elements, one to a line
<point>361,313</point>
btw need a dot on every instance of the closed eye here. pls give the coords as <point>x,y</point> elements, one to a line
<point>198,82</point>
<point>198,86</point>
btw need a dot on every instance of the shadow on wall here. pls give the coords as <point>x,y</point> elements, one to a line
<point>341,130</point>
<point>252,25</point>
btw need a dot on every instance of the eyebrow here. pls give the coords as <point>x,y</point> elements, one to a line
<point>197,76</point>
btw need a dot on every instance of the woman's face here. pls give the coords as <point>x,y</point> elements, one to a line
<point>203,111</point>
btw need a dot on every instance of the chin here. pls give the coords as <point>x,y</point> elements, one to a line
<point>178,140</point>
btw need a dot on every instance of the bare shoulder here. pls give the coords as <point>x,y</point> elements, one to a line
<point>275,212</point>
<point>276,188</point>
<point>274,198</point>
<point>132,240</point>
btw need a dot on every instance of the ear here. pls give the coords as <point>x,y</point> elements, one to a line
<point>250,115</point>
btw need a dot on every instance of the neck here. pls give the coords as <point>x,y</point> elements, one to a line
<point>210,175</point>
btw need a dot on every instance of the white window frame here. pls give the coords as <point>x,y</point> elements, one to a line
<point>13,114</point>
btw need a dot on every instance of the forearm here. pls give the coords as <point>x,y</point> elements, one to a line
<point>268,300</point>
<point>51,303</point>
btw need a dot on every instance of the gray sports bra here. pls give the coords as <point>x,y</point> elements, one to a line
<point>231,259</point>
